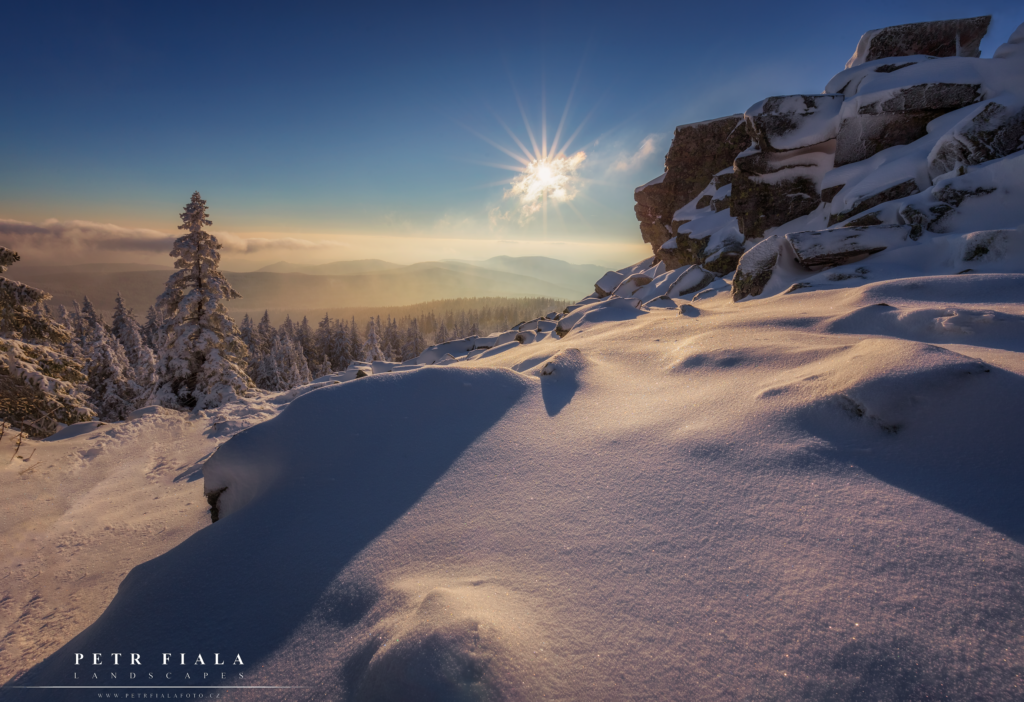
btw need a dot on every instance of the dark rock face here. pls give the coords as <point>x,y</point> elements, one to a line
<point>960,37</point>
<point>896,192</point>
<point>900,118</point>
<point>793,140</point>
<point>687,252</point>
<point>932,217</point>
<point>756,266</point>
<point>993,133</point>
<point>834,247</point>
<point>788,122</point>
<point>698,152</point>
<point>759,206</point>
<point>828,194</point>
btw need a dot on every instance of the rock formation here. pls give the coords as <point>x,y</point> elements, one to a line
<point>959,37</point>
<point>698,152</point>
<point>916,136</point>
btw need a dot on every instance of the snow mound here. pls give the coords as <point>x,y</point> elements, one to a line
<point>882,381</point>
<point>447,644</point>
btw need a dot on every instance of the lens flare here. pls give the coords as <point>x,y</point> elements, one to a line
<point>552,178</point>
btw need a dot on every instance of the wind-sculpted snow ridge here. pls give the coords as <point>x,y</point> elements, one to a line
<point>929,140</point>
<point>816,498</point>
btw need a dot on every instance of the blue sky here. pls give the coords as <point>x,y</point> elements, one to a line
<point>324,132</point>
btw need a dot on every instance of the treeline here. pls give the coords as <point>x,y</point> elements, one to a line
<point>491,314</point>
<point>64,366</point>
<point>120,358</point>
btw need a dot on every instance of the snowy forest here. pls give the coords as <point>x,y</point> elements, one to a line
<point>65,366</point>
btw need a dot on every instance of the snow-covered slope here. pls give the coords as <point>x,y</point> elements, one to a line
<point>798,481</point>
<point>82,508</point>
<point>813,496</point>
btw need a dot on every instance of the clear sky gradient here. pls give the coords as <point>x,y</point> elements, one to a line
<point>321,132</point>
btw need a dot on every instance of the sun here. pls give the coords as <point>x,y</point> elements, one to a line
<point>547,173</point>
<point>542,179</point>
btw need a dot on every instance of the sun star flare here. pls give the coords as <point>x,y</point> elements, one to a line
<point>552,178</point>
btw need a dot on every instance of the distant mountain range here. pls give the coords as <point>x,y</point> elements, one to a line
<point>298,288</point>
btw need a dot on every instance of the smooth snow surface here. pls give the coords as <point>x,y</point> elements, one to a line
<point>813,496</point>
<point>82,508</point>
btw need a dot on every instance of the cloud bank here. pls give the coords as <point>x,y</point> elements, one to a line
<point>78,235</point>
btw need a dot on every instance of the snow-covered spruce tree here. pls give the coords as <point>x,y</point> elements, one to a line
<point>355,343</point>
<point>268,375</point>
<point>323,339</point>
<point>152,326</point>
<point>294,369</point>
<point>323,368</point>
<point>341,352</point>
<point>141,359</point>
<point>304,336</point>
<point>250,338</point>
<point>265,333</point>
<point>441,335</point>
<point>414,343</point>
<point>371,347</point>
<point>111,385</point>
<point>40,385</point>
<point>202,357</point>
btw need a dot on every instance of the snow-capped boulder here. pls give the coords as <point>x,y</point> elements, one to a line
<point>872,122</point>
<point>792,147</point>
<point>611,309</point>
<point>608,282</point>
<point>834,247</point>
<point>958,37</point>
<point>992,246</point>
<point>894,192</point>
<point>792,122</point>
<point>755,267</point>
<point>992,132</point>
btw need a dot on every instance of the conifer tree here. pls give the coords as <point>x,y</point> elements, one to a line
<point>141,359</point>
<point>90,317</point>
<point>341,351</point>
<point>441,335</point>
<point>304,335</point>
<point>414,342</point>
<point>268,375</point>
<point>41,387</point>
<point>151,327</point>
<point>355,342</point>
<point>265,333</point>
<point>111,386</point>
<point>371,347</point>
<point>322,369</point>
<point>323,338</point>
<point>202,357</point>
<point>288,327</point>
<point>122,319</point>
<point>250,337</point>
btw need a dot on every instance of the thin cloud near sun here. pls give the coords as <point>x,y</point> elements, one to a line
<point>547,173</point>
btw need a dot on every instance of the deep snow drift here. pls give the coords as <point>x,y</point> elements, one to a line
<point>809,496</point>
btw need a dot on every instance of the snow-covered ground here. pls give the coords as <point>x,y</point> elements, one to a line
<point>806,496</point>
<point>78,511</point>
<point>801,482</point>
